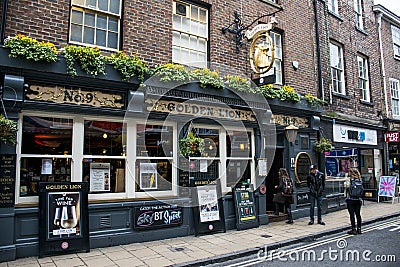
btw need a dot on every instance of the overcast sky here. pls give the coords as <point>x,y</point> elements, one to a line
<point>392,5</point>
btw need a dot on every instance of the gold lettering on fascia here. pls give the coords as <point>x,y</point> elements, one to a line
<point>61,95</point>
<point>193,109</point>
<point>64,187</point>
<point>287,120</point>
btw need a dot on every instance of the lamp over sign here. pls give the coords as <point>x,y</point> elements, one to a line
<point>291,133</point>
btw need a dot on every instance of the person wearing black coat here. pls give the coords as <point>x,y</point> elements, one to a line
<point>287,200</point>
<point>316,184</point>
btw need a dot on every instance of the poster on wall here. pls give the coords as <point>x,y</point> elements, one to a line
<point>387,187</point>
<point>99,177</point>
<point>208,208</point>
<point>148,175</point>
<point>157,216</point>
<point>64,218</point>
<point>262,167</point>
<point>331,166</point>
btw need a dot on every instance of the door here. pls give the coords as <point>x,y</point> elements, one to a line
<point>272,178</point>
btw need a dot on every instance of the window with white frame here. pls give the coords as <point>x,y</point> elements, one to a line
<point>154,156</point>
<point>363,78</point>
<point>333,6</point>
<point>95,23</point>
<point>396,41</point>
<point>238,157</point>
<point>277,66</point>
<point>103,164</point>
<point>394,92</point>
<point>46,152</point>
<point>189,34</point>
<point>337,68</point>
<point>359,13</point>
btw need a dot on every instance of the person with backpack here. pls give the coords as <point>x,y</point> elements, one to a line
<point>354,192</point>
<point>285,194</point>
<point>316,184</point>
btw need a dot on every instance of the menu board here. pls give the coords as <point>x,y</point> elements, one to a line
<point>99,177</point>
<point>246,213</point>
<point>7,180</point>
<point>64,218</point>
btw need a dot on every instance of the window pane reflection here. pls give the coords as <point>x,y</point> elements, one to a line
<point>154,141</point>
<point>104,175</point>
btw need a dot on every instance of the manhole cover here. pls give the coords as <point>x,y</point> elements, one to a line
<point>177,249</point>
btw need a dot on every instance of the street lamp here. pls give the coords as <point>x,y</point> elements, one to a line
<point>291,133</point>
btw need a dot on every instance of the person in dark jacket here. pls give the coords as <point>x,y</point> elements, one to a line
<point>282,198</point>
<point>353,203</point>
<point>316,184</point>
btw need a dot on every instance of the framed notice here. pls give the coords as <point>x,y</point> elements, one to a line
<point>208,208</point>
<point>148,175</point>
<point>246,213</point>
<point>99,177</point>
<point>262,167</point>
<point>64,219</point>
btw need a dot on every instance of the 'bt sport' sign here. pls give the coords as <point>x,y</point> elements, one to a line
<point>150,217</point>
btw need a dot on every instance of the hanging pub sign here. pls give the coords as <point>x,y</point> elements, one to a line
<point>63,218</point>
<point>208,208</point>
<point>7,180</point>
<point>246,213</point>
<point>262,49</point>
<point>157,216</point>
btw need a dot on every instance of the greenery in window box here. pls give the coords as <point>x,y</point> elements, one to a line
<point>323,145</point>
<point>191,146</point>
<point>128,66</point>
<point>285,93</point>
<point>8,131</point>
<point>314,101</point>
<point>89,59</point>
<point>238,83</point>
<point>31,49</point>
<point>172,73</point>
<point>207,77</point>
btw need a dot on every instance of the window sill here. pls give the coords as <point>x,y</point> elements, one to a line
<point>335,15</point>
<point>366,103</point>
<point>341,95</point>
<point>362,31</point>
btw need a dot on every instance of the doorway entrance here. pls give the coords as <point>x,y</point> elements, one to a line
<point>272,179</point>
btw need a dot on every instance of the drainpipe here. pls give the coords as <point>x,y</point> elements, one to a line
<point>383,63</point>
<point>3,22</point>
<point>321,90</point>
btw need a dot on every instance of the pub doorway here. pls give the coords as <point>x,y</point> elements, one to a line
<point>272,179</point>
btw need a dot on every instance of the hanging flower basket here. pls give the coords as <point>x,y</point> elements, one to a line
<point>324,145</point>
<point>8,131</point>
<point>191,146</point>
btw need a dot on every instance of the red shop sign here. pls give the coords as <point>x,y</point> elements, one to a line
<point>392,137</point>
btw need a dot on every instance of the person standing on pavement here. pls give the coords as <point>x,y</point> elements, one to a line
<point>316,184</point>
<point>354,199</point>
<point>285,194</point>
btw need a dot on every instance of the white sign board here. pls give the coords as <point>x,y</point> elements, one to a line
<point>348,134</point>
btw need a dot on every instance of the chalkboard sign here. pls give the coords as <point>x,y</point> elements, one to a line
<point>302,168</point>
<point>64,218</point>
<point>303,198</point>
<point>208,209</point>
<point>157,216</point>
<point>246,213</point>
<point>7,180</point>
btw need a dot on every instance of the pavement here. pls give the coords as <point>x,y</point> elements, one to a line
<point>218,247</point>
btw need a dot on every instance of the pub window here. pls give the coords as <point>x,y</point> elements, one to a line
<point>189,34</point>
<point>239,158</point>
<point>95,23</point>
<point>46,152</point>
<point>154,155</point>
<point>104,156</point>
